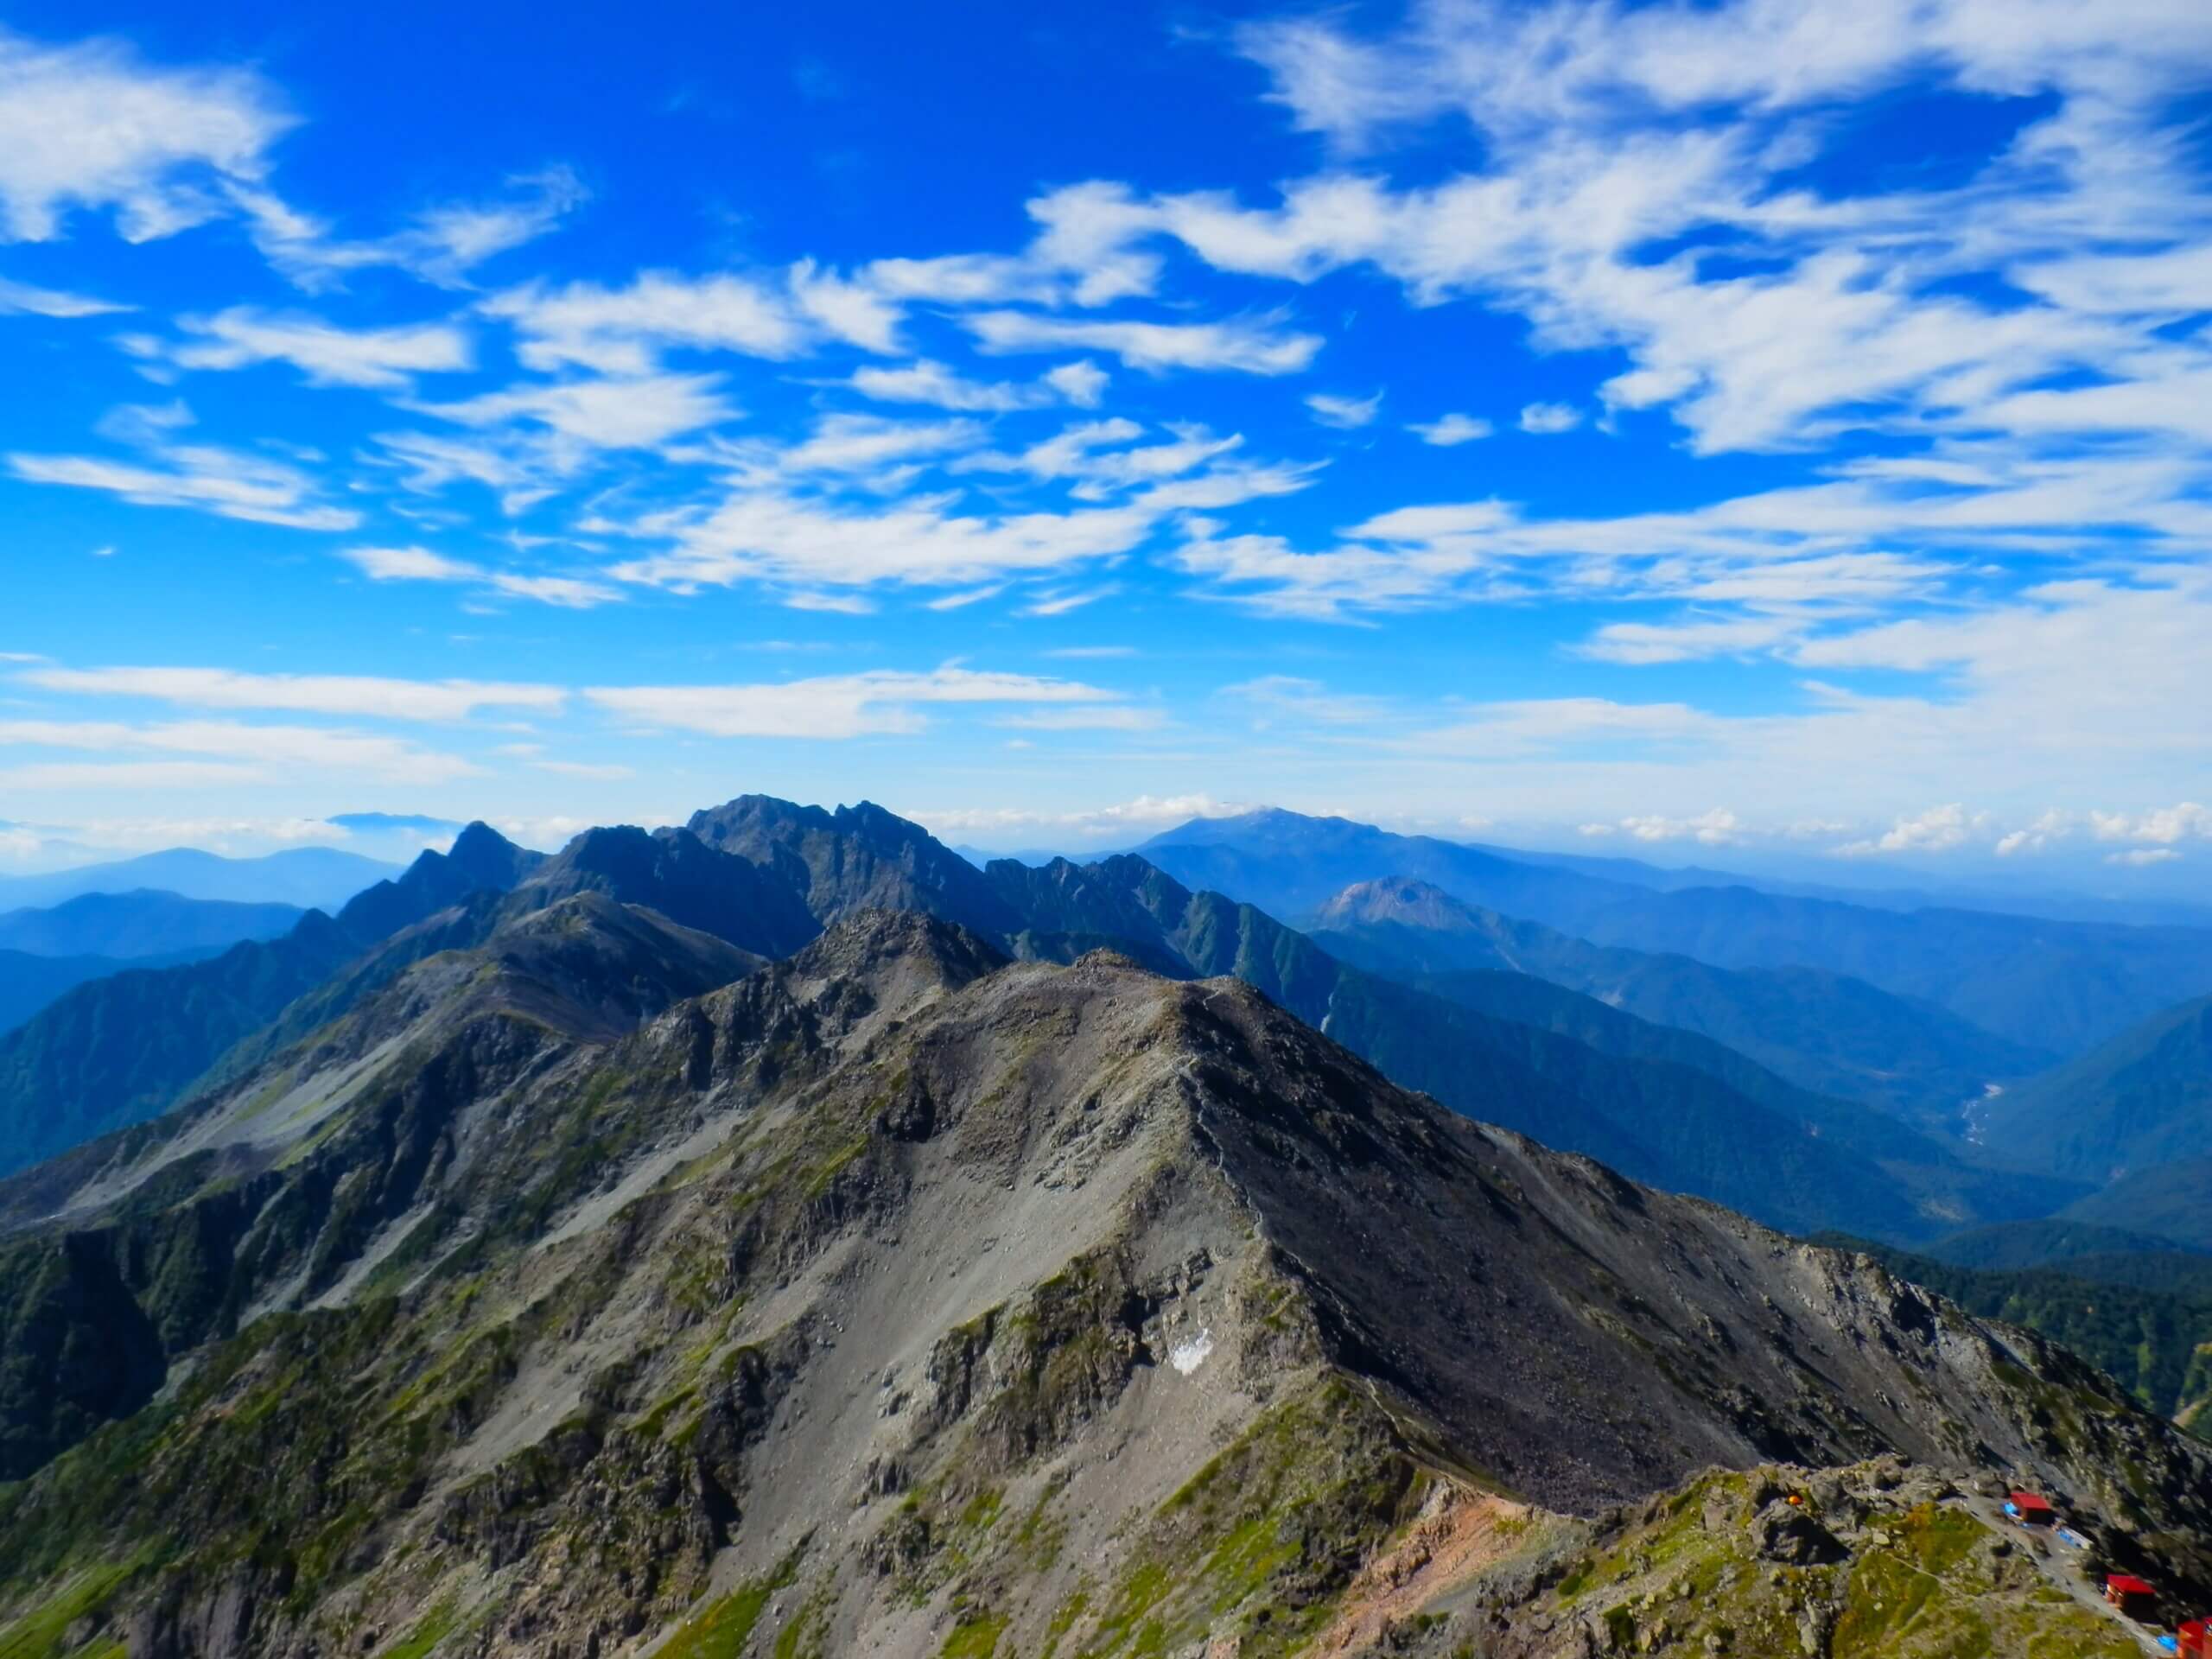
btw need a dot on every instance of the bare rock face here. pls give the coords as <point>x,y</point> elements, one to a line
<point>897,1298</point>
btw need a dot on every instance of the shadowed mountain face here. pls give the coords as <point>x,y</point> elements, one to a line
<point>2059,986</point>
<point>897,1290</point>
<point>1825,1032</point>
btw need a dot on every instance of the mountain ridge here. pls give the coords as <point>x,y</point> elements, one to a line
<point>782,1299</point>
<point>2065,986</point>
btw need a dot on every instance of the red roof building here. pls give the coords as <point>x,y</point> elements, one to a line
<point>2195,1638</point>
<point>2030,1510</point>
<point>2129,1593</point>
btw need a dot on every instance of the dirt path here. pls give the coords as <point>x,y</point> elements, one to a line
<point>2062,1567</point>
<point>1462,1531</point>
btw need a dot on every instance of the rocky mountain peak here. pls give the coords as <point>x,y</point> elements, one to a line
<point>489,858</point>
<point>1398,899</point>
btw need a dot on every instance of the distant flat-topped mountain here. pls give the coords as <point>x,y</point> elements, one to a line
<point>901,1297</point>
<point>2056,986</point>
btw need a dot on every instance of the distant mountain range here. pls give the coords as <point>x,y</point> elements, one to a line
<point>308,878</point>
<point>141,924</point>
<point>28,983</point>
<point>1825,1031</point>
<point>2056,986</point>
<point>46,952</point>
<point>116,1049</point>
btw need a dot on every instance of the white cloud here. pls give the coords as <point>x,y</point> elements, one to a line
<point>1288,698</point>
<point>22,299</point>
<point>571,593</point>
<point>1449,430</point>
<point>408,564</point>
<point>1546,418</point>
<point>1687,641</point>
<point>583,769</point>
<point>926,382</point>
<point>1718,828</point>
<point>774,535</point>
<point>1238,345</point>
<point>1939,829</point>
<point>842,706</point>
<point>421,564</point>
<point>2141,857</point>
<point>624,331</point>
<point>92,126</point>
<point>252,488</point>
<point>2049,827</point>
<point>2163,825</point>
<point>442,245</point>
<point>850,311</point>
<point>600,414</point>
<point>320,694</point>
<point>1083,382</point>
<point>327,354</point>
<point>1345,413</point>
<point>1110,717</point>
<point>1144,814</point>
<point>1632,182</point>
<point>216,752</point>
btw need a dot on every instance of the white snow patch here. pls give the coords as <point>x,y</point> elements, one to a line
<point>1189,1354</point>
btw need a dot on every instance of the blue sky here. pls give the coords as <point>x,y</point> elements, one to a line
<point>1738,428</point>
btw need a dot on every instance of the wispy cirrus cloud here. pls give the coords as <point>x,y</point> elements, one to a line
<point>210,751</point>
<point>886,702</point>
<point>320,694</point>
<point>22,299</point>
<point>206,478</point>
<point>326,355</point>
<point>92,126</point>
<point>1236,346</point>
<point>421,564</point>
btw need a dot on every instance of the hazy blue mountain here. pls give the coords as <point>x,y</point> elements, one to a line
<point>2141,1100</point>
<point>1825,1032</point>
<point>142,924</point>
<point>2170,1200</point>
<point>1922,891</point>
<point>29,982</point>
<point>2064,985</point>
<point>118,1050</point>
<point>312,878</point>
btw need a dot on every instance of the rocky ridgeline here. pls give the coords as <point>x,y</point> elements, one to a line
<point>897,1298</point>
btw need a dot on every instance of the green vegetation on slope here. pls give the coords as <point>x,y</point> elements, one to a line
<point>2156,1344</point>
